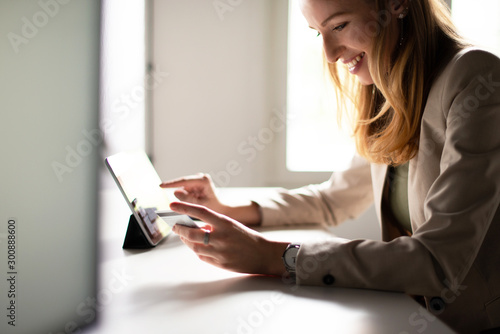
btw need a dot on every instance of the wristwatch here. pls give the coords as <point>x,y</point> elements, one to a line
<point>289,258</point>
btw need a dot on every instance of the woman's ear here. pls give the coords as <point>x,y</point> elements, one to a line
<point>399,8</point>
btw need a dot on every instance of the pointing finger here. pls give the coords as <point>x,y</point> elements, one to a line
<point>192,180</point>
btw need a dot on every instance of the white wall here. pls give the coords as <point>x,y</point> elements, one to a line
<point>219,94</point>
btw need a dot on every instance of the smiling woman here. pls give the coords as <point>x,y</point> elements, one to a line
<point>426,117</point>
<point>312,106</point>
<point>398,56</point>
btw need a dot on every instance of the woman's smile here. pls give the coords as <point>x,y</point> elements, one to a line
<point>355,63</point>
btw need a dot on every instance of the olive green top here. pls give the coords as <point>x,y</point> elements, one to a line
<point>398,195</point>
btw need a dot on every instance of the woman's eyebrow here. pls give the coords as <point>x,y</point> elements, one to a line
<point>331,17</point>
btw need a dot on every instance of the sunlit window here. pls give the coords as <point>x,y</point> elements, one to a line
<point>122,78</point>
<point>314,141</point>
<point>478,21</point>
<point>123,71</point>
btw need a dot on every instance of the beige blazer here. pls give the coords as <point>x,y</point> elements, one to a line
<point>453,256</point>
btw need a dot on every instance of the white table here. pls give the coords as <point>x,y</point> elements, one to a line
<point>167,289</point>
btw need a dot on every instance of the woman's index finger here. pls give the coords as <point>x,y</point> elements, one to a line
<point>181,182</point>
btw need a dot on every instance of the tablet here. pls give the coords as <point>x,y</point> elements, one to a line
<point>139,184</point>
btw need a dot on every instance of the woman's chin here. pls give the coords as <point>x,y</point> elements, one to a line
<point>365,81</point>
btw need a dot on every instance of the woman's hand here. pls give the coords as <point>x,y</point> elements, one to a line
<point>200,189</point>
<point>231,245</point>
<point>197,189</point>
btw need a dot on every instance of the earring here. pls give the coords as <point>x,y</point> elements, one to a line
<point>403,13</point>
<point>401,32</point>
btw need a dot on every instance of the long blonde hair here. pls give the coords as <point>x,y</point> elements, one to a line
<point>388,113</point>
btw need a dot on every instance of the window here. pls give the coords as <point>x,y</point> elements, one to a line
<point>483,28</point>
<point>124,96</point>
<point>123,75</point>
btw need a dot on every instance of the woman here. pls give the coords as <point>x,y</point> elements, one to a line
<point>428,109</point>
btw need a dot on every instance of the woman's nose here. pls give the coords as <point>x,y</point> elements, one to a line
<point>332,51</point>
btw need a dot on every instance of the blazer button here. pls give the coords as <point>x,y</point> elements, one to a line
<point>437,305</point>
<point>328,279</point>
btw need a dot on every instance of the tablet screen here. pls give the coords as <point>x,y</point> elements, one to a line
<point>139,184</point>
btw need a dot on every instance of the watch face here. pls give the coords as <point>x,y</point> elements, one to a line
<point>291,256</point>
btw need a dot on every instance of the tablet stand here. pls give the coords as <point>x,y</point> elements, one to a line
<point>135,239</point>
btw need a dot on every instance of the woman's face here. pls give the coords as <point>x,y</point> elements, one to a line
<point>348,28</point>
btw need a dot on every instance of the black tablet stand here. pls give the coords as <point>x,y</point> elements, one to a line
<point>135,239</point>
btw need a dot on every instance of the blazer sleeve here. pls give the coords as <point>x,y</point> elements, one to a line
<point>345,195</point>
<point>458,209</point>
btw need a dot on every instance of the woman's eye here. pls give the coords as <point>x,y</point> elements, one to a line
<point>337,28</point>
<point>340,27</point>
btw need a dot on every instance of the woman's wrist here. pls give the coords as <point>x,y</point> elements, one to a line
<point>273,264</point>
<point>248,214</point>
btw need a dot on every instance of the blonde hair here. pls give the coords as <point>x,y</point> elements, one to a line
<point>388,113</point>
